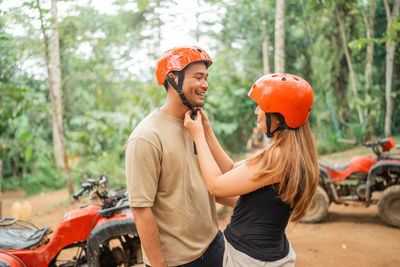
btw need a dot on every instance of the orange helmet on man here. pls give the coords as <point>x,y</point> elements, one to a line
<point>177,59</point>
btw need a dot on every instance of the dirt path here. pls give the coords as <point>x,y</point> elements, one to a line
<point>351,236</point>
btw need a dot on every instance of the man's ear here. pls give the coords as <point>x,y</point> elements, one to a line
<point>173,76</point>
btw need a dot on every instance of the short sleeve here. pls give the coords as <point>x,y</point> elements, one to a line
<point>142,170</point>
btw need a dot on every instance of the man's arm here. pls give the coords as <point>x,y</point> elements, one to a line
<point>149,236</point>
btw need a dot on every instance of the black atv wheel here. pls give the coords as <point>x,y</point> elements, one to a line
<point>318,207</point>
<point>114,243</point>
<point>389,206</point>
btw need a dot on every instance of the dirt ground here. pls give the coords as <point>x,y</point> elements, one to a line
<point>350,236</point>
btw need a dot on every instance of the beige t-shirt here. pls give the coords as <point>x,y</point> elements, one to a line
<point>163,172</point>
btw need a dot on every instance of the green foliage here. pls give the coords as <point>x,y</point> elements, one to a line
<point>105,95</point>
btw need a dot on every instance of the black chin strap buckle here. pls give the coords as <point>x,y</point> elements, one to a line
<point>193,117</point>
<point>270,134</point>
<point>194,114</point>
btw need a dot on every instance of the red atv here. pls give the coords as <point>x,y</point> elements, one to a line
<point>94,235</point>
<point>356,182</point>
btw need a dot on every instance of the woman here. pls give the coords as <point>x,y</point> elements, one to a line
<point>275,184</point>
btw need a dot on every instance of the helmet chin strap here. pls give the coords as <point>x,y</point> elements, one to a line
<point>270,134</point>
<point>178,88</point>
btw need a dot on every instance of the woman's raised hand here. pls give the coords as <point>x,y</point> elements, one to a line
<point>194,127</point>
<point>205,120</point>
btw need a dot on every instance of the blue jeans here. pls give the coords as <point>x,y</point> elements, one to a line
<point>213,255</point>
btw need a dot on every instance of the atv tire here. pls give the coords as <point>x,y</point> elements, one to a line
<point>114,243</point>
<point>389,206</point>
<point>318,207</point>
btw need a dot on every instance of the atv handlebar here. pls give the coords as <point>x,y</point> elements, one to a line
<point>380,146</point>
<point>376,143</point>
<point>77,194</point>
<point>92,185</point>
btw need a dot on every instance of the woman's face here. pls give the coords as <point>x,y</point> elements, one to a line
<point>261,119</point>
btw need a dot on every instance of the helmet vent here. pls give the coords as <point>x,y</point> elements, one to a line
<point>275,75</point>
<point>284,79</point>
<point>295,78</point>
<point>198,50</point>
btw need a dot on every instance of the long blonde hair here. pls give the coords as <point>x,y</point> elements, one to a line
<point>291,157</point>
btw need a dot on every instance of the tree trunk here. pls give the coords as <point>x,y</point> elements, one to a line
<point>54,81</point>
<point>265,44</point>
<point>370,48</point>
<point>16,166</point>
<point>52,57</point>
<point>350,65</point>
<point>369,23</point>
<point>279,58</point>
<point>390,49</point>
<point>197,15</point>
<point>1,179</point>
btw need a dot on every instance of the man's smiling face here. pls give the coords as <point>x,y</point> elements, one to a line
<point>195,83</point>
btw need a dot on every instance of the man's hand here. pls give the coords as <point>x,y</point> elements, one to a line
<point>149,236</point>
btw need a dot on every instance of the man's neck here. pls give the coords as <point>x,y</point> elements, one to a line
<point>175,110</point>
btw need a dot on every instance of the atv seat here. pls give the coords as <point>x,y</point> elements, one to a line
<point>334,166</point>
<point>17,235</point>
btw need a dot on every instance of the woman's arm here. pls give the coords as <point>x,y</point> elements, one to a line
<point>223,160</point>
<point>235,182</point>
<point>227,201</point>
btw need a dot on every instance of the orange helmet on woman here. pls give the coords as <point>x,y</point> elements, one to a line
<point>177,59</point>
<point>286,94</point>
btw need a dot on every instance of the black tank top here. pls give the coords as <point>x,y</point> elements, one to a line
<point>258,224</point>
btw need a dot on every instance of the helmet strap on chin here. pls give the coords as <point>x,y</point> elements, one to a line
<point>282,126</point>
<point>178,88</point>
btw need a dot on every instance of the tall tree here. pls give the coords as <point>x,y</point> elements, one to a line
<point>265,34</point>
<point>349,62</point>
<point>369,23</point>
<point>390,49</point>
<point>1,178</point>
<point>279,58</point>
<point>369,59</point>
<point>52,58</point>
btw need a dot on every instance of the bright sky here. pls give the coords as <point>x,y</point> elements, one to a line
<point>177,32</point>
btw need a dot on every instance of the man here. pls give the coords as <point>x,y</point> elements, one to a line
<point>174,213</point>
